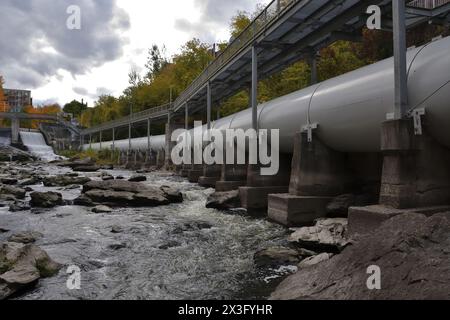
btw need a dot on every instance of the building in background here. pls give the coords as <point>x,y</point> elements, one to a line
<point>17,99</point>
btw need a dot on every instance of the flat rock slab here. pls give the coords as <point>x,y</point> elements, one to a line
<point>328,235</point>
<point>127,193</point>
<point>46,199</point>
<point>411,250</point>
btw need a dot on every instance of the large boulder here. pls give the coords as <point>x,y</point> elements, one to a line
<point>21,265</point>
<point>46,199</point>
<point>18,193</point>
<point>224,200</point>
<point>126,193</point>
<point>411,250</point>
<point>328,235</point>
<point>64,181</point>
<point>8,154</point>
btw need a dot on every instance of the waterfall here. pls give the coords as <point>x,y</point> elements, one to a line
<point>36,144</point>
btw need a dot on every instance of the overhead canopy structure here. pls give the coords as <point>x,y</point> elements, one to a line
<point>285,32</point>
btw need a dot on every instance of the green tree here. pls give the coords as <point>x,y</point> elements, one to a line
<point>75,107</point>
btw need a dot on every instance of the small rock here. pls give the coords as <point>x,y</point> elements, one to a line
<point>83,201</point>
<point>19,206</point>
<point>311,261</point>
<point>116,229</point>
<point>8,181</point>
<point>107,178</point>
<point>3,230</point>
<point>170,244</point>
<point>138,178</point>
<point>224,200</point>
<point>275,257</point>
<point>46,199</point>
<point>117,246</point>
<point>120,178</point>
<point>25,237</point>
<point>101,209</point>
<point>173,195</point>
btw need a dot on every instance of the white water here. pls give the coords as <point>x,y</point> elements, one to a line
<point>36,144</point>
<point>5,141</point>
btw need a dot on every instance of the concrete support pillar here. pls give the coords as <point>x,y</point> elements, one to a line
<point>416,169</point>
<point>415,177</point>
<point>101,139</point>
<point>90,141</point>
<point>149,135</point>
<point>318,175</point>
<point>160,159</point>
<point>15,129</point>
<point>232,176</point>
<point>170,128</point>
<point>129,138</point>
<point>255,195</point>
<point>113,140</point>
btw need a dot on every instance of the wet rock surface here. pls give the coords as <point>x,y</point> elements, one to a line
<point>16,192</point>
<point>46,199</point>
<point>224,200</point>
<point>186,250</point>
<point>21,266</point>
<point>25,237</point>
<point>64,181</point>
<point>411,250</point>
<point>127,193</point>
<point>8,154</point>
<point>328,235</point>
<point>276,256</point>
<point>19,206</point>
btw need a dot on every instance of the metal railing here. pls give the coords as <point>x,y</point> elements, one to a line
<point>139,116</point>
<point>243,40</point>
<point>428,4</point>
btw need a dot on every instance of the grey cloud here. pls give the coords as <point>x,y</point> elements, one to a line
<point>29,26</point>
<point>80,91</point>
<point>214,14</point>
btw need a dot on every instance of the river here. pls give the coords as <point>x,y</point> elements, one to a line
<point>180,251</point>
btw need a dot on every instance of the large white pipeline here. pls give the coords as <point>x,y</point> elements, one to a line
<point>350,108</point>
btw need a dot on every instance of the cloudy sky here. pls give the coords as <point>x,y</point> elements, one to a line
<point>38,51</point>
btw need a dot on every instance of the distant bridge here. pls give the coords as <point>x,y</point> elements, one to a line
<point>16,117</point>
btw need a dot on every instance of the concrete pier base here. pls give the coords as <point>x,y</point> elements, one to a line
<point>232,178</point>
<point>160,159</point>
<point>255,195</point>
<point>211,174</point>
<point>225,186</point>
<point>290,210</point>
<point>195,173</point>
<point>255,199</point>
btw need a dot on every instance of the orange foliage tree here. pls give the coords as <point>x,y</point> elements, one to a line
<point>43,109</point>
